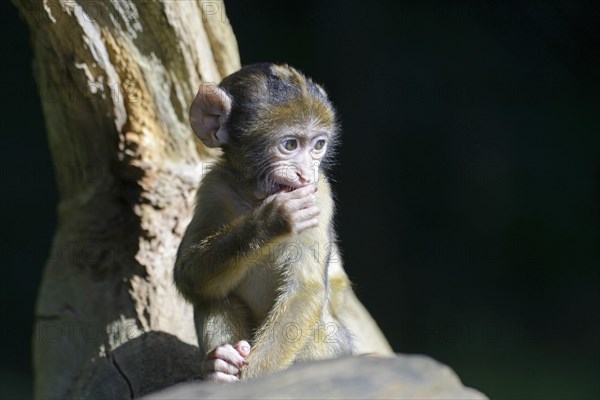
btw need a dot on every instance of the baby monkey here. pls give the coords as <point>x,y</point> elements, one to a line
<point>259,259</point>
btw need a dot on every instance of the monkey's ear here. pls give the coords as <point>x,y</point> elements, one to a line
<point>208,113</point>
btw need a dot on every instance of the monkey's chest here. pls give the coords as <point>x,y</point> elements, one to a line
<point>287,267</point>
<point>259,290</point>
<point>283,268</point>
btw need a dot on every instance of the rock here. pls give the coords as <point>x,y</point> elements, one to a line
<point>401,377</point>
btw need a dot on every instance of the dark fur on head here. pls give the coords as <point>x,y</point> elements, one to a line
<point>265,99</point>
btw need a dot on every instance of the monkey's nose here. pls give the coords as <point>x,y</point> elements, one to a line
<point>302,177</point>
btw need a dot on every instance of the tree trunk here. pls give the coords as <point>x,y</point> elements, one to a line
<point>116,79</point>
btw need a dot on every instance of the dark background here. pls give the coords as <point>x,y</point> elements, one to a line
<point>467,184</point>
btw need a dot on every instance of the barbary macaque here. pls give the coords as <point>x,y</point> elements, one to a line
<point>259,260</point>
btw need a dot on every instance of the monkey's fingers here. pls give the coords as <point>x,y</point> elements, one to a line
<point>221,377</point>
<point>302,203</point>
<point>229,354</point>
<point>301,192</point>
<point>243,348</point>
<point>304,225</point>
<point>218,365</point>
<point>306,214</point>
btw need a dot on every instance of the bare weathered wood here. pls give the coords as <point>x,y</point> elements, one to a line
<point>115,79</point>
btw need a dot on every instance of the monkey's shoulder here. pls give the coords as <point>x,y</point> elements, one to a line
<point>221,198</point>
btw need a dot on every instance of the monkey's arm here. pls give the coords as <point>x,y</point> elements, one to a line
<point>211,266</point>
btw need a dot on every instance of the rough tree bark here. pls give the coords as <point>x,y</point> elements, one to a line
<point>116,78</point>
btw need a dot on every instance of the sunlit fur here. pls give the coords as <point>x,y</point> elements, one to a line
<point>287,295</point>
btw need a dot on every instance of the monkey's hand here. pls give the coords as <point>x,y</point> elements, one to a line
<point>224,363</point>
<point>290,213</point>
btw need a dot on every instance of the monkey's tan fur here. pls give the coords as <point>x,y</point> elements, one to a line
<point>247,273</point>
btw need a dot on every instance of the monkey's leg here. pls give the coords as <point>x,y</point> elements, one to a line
<point>347,308</point>
<point>220,327</point>
<point>286,331</point>
<point>222,322</point>
<point>367,336</point>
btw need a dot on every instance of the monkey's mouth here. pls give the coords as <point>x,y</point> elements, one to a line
<point>281,188</point>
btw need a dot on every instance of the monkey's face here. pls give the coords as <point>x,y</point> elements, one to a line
<point>296,158</point>
<point>277,127</point>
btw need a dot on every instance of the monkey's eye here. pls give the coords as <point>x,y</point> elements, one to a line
<point>290,144</point>
<point>320,144</point>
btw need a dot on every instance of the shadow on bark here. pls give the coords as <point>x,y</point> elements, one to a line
<point>150,362</point>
